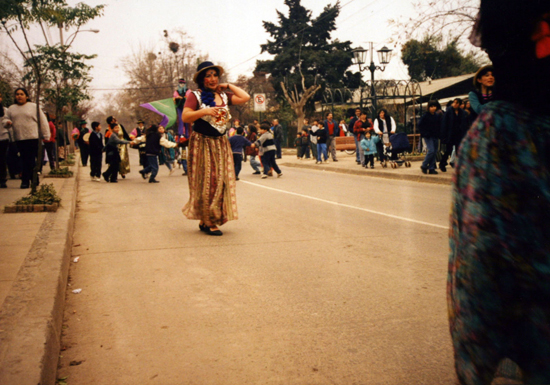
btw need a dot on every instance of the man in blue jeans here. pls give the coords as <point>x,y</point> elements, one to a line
<point>429,127</point>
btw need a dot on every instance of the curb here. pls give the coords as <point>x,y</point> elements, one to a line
<point>31,317</point>
<point>377,174</point>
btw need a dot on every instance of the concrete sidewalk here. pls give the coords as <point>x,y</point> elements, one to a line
<point>347,164</point>
<point>33,278</point>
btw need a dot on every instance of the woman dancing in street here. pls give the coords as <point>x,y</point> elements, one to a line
<point>212,197</point>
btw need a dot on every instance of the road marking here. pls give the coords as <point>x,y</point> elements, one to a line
<point>348,206</point>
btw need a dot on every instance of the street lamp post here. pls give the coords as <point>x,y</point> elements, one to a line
<point>384,57</point>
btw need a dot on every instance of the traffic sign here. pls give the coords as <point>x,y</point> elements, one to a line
<point>259,102</point>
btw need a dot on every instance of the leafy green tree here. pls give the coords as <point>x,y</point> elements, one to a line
<point>67,78</point>
<point>431,59</point>
<point>306,59</point>
<point>20,16</point>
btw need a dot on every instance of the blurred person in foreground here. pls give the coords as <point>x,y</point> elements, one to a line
<point>499,269</point>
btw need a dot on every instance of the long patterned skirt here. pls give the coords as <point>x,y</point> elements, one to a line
<point>212,185</point>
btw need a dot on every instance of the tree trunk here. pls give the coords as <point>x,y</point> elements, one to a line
<point>40,155</point>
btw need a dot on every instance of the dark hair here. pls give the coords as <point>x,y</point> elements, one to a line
<point>94,125</point>
<point>387,118</point>
<point>202,75</point>
<point>153,129</point>
<point>24,91</point>
<point>432,103</point>
<point>506,28</point>
<point>457,100</point>
<point>252,128</point>
<point>240,130</point>
<point>110,120</point>
<point>265,126</point>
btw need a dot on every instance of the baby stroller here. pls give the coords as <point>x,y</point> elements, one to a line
<point>399,144</point>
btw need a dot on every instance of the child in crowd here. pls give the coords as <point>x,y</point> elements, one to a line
<point>96,151</point>
<point>368,144</point>
<point>266,143</point>
<point>154,141</point>
<point>252,152</point>
<point>322,137</point>
<point>313,140</point>
<point>298,143</point>
<point>112,155</point>
<point>304,143</point>
<point>238,142</point>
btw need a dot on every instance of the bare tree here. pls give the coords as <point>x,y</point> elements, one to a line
<point>154,72</point>
<point>446,18</point>
<point>298,99</point>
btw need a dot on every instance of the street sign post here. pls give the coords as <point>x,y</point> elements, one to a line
<point>259,102</point>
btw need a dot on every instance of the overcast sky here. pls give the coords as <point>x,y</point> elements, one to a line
<point>228,31</point>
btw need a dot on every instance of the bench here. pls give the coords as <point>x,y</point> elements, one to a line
<point>343,143</point>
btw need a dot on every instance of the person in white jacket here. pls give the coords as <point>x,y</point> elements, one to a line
<point>27,131</point>
<point>384,126</point>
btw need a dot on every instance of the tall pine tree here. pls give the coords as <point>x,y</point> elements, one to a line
<point>306,59</point>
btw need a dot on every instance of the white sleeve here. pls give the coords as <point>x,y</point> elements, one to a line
<point>140,139</point>
<point>393,125</point>
<point>166,143</point>
<point>44,126</point>
<point>376,128</point>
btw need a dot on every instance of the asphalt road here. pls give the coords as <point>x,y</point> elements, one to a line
<point>325,278</point>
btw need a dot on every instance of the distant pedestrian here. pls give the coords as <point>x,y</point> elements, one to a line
<point>49,145</point>
<point>82,145</point>
<point>313,139</point>
<point>384,127</point>
<point>137,132</point>
<point>368,145</point>
<point>351,125</point>
<point>167,155</point>
<point>429,127</point>
<point>4,144</point>
<point>304,144</point>
<point>322,138</point>
<point>267,147</point>
<point>96,152</point>
<point>333,130</point>
<point>278,137</point>
<point>154,141</point>
<point>360,127</point>
<point>21,118</point>
<point>252,152</point>
<point>453,128</point>
<point>112,154</point>
<point>238,142</point>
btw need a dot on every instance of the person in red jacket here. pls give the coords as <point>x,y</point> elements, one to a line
<point>50,144</point>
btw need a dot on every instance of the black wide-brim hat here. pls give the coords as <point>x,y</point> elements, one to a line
<point>480,72</point>
<point>204,66</point>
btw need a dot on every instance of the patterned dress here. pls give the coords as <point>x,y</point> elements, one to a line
<point>499,267</point>
<point>211,172</point>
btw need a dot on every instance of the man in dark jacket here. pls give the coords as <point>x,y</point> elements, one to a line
<point>429,127</point>
<point>96,151</point>
<point>453,128</point>
<point>278,136</point>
